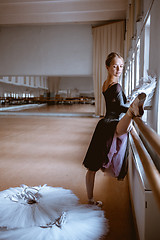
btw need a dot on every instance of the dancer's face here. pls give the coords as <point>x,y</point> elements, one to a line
<point>116,67</point>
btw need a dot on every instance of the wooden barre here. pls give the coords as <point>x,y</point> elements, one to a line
<point>151,171</point>
<point>152,137</point>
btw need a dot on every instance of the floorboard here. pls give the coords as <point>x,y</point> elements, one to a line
<point>37,150</point>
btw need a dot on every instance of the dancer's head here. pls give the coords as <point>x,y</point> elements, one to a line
<point>114,64</point>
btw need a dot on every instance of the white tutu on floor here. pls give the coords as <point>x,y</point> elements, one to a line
<point>33,206</point>
<point>80,223</point>
<point>47,213</point>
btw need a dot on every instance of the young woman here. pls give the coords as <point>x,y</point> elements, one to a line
<point>108,147</point>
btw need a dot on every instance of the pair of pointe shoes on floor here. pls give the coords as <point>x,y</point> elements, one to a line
<point>136,107</point>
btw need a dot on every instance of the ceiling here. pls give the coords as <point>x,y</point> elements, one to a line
<point>94,12</point>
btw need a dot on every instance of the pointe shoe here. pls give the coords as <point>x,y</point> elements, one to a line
<point>58,222</point>
<point>61,220</point>
<point>136,107</point>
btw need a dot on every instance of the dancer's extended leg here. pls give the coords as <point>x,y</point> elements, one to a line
<point>135,110</point>
<point>124,125</point>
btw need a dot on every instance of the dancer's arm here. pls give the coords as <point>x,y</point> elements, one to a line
<point>120,100</point>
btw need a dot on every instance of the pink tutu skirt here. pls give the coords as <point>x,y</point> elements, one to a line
<point>116,155</point>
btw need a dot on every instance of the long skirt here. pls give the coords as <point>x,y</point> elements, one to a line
<point>107,151</point>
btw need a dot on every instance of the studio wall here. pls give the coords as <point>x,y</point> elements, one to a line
<point>57,50</point>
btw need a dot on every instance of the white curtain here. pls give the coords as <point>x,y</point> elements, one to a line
<point>106,39</point>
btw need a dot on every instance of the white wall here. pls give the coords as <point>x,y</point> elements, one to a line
<point>71,86</point>
<point>58,50</point>
<point>81,83</point>
<point>154,62</point>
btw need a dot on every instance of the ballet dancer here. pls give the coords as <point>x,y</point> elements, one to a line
<point>111,132</point>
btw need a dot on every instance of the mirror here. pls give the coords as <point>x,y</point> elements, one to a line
<point>47,94</point>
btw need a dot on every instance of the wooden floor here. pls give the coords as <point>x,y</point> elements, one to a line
<point>44,108</point>
<point>50,150</point>
<point>81,108</point>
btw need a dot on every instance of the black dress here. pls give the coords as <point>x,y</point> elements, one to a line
<point>97,154</point>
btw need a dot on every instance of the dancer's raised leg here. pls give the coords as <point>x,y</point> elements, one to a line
<point>135,110</point>
<point>124,125</point>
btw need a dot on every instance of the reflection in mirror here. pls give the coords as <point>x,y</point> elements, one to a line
<point>47,94</point>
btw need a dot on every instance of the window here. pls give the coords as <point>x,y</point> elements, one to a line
<point>137,62</point>
<point>128,80</point>
<point>27,80</point>
<point>146,55</point>
<point>133,71</point>
<point>126,83</point>
<point>13,79</point>
<point>5,78</point>
<point>146,48</point>
<point>20,80</point>
<point>31,83</point>
<point>130,77</point>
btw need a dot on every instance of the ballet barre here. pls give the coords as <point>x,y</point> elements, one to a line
<point>152,137</point>
<point>150,169</point>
